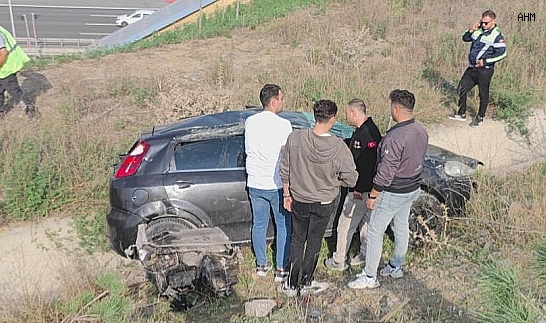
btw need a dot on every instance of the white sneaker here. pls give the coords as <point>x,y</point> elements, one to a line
<point>358,260</point>
<point>394,272</point>
<point>315,288</point>
<point>289,291</point>
<point>364,282</point>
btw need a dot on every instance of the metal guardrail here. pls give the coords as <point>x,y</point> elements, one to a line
<point>157,21</point>
<point>54,42</point>
<point>54,46</point>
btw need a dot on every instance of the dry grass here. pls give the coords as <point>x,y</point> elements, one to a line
<point>348,49</point>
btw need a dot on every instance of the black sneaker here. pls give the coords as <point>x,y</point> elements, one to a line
<point>477,122</point>
<point>281,276</point>
<point>458,117</point>
<point>30,112</point>
<point>3,112</point>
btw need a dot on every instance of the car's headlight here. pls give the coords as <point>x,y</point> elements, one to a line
<point>457,169</point>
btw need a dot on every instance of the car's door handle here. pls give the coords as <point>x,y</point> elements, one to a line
<point>182,184</point>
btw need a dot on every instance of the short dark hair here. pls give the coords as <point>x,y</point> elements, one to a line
<point>324,110</point>
<point>403,97</point>
<point>268,92</point>
<point>489,13</point>
<point>358,105</point>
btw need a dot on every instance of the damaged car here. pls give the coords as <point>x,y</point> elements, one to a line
<point>179,203</point>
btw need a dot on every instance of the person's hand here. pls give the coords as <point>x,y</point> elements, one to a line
<point>287,203</point>
<point>370,203</point>
<point>475,27</point>
<point>357,195</point>
<point>480,63</point>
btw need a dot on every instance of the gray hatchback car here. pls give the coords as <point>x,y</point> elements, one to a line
<point>178,198</point>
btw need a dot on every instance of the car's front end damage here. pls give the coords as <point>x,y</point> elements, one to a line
<point>447,185</point>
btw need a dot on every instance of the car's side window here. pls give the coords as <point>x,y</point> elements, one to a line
<point>236,149</point>
<point>218,153</point>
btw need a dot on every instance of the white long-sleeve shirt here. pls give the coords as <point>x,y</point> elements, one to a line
<point>265,135</point>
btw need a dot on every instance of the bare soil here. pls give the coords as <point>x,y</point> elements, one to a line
<point>196,77</point>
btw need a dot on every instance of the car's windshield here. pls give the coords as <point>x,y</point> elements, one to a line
<point>339,129</point>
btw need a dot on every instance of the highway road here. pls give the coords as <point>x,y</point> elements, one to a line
<point>68,19</point>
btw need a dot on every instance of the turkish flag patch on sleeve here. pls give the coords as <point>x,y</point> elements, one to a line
<point>372,144</point>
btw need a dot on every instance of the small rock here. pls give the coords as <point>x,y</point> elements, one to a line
<point>314,314</point>
<point>259,307</point>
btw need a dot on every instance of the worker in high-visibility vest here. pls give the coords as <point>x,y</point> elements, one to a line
<point>12,60</point>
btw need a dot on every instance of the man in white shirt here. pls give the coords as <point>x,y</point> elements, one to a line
<point>265,136</point>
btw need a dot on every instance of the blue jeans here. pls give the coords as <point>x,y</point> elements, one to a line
<point>263,201</point>
<point>389,207</point>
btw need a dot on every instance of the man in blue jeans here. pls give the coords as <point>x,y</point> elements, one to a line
<point>265,136</point>
<point>396,185</point>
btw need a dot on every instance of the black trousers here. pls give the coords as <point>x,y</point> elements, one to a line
<point>11,85</point>
<point>309,222</point>
<point>475,76</point>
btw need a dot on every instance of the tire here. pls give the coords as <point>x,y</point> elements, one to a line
<point>124,24</point>
<point>159,230</point>
<point>427,220</point>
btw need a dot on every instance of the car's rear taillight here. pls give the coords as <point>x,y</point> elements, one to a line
<point>132,162</point>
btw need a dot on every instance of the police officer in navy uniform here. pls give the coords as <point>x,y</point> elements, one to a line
<point>487,47</point>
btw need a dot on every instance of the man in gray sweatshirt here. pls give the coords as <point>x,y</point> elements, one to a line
<point>396,186</point>
<point>313,167</point>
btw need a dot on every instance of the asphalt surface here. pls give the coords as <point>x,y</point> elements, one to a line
<point>69,20</point>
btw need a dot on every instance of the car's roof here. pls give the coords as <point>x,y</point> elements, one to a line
<point>219,122</point>
<point>230,123</point>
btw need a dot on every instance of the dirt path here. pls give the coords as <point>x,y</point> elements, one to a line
<point>500,151</point>
<point>41,259</point>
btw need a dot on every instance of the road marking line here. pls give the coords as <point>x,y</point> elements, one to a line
<point>95,34</point>
<point>92,24</point>
<point>107,16</point>
<point>73,7</point>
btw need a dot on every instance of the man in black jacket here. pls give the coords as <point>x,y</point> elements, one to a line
<point>363,146</point>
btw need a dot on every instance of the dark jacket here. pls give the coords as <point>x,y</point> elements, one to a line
<point>401,155</point>
<point>488,45</point>
<point>363,145</point>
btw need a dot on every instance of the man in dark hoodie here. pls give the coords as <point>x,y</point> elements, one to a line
<point>313,166</point>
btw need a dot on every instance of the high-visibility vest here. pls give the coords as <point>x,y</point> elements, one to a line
<point>16,56</point>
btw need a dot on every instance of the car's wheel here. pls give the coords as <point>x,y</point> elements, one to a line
<point>160,231</point>
<point>124,24</point>
<point>427,220</point>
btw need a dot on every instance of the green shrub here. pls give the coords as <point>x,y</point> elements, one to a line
<point>503,297</point>
<point>32,183</point>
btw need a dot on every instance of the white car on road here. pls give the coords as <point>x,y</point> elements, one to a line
<point>125,20</point>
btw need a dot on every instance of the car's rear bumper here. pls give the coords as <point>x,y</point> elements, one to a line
<point>121,230</point>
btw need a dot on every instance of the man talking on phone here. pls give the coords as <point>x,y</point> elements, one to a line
<point>487,47</point>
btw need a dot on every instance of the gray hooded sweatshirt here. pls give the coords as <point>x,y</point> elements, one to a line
<point>316,166</point>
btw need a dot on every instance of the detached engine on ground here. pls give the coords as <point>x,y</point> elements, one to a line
<point>186,263</point>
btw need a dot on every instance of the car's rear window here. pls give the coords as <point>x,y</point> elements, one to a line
<point>218,153</point>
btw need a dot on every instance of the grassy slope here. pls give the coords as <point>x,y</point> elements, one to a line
<point>348,49</point>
